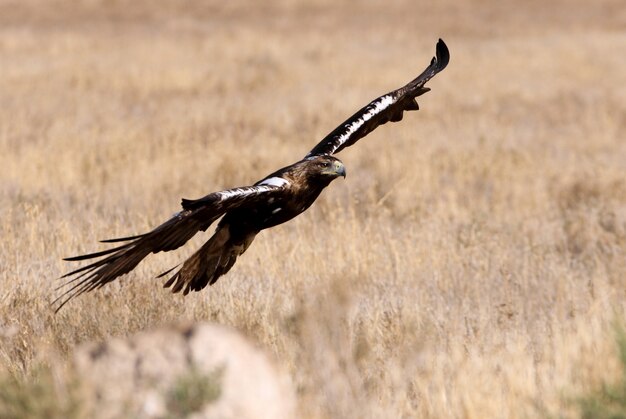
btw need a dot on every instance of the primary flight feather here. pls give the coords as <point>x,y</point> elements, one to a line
<point>245,211</point>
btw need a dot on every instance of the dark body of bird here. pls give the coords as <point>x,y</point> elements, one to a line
<point>245,211</point>
<point>239,226</point>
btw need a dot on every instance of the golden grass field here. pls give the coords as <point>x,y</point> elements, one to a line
<point>472,264</point>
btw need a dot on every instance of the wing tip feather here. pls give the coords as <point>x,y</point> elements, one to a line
<point>442,55</point>
<point>122,239</point>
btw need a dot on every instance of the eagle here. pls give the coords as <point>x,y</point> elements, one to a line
<point>244,211</point>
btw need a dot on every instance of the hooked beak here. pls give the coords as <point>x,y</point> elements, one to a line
<point>336,170</point>
<point>340,169</point>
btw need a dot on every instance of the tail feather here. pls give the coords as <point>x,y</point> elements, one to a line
<point>214,259</point>
<point>162,274</point>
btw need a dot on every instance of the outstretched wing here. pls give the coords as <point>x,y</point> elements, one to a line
<point>197,215</point>
<point>389,107</point>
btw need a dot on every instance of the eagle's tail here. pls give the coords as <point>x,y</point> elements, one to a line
<point>212,260</point>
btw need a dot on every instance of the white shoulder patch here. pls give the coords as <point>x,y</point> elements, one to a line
<point>245,191</point>
<point>275,181</point>
<point>224,195</point>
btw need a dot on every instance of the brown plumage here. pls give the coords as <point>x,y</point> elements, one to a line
<point>245,211</point>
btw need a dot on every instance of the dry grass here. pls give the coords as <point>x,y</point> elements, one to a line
<point>472,263</point>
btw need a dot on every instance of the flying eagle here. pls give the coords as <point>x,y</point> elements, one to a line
<point>246,210</point>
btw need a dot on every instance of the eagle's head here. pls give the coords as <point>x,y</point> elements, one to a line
<point>325,168</point>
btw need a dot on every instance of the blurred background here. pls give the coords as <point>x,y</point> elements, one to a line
<point>473,263</point>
